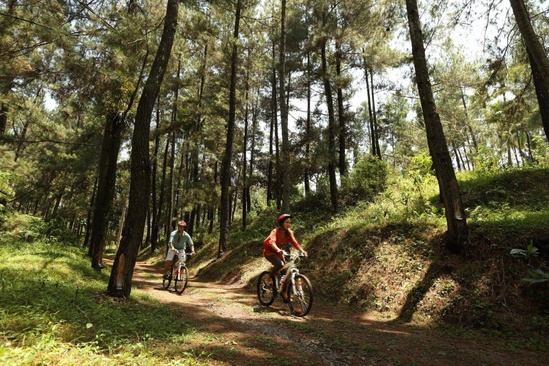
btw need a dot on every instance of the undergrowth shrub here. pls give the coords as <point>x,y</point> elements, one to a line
<point>313,202</point>
<point>367,179</point>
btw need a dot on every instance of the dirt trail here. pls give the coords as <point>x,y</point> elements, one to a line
<point>244,333</point>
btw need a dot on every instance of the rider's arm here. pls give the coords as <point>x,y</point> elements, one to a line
<point>190,242</point>
<point>296,244</point>
<point>170,244</point>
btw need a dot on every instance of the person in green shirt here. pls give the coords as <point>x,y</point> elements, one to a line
<point>179,241</point>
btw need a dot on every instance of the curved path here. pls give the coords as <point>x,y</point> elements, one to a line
<point>233,329</point>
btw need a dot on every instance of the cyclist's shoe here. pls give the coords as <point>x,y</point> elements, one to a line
<point>285,297</point>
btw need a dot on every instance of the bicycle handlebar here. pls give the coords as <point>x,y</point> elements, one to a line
<point>293,256</point>
<point>187,255</point>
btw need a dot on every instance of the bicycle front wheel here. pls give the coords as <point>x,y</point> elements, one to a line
<point>300,295</point>
<point>266,289</point>
<point>181,280</point>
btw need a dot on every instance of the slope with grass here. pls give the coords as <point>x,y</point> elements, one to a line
<point>387,258</point>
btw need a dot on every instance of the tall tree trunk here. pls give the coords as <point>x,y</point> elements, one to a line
<point>331,129</point>
<point>532,41</point>
<point>162,220</point>
<point>438,148</point>
<point>342,136</point>
<point>369,93</point>
<point>89,217</point>
<point>374,133</point>
<point>171,192</point>
<point>374,117</point>
<point>225,210</point>
<point>22,136</point>
<point>3,117</point>
<point>542,93</point>
<point>284,111</point>
<point>306,173</point>
<point>255,118</point>
<point>110,148</point>
<point>132,235</point>
<point>5,91</point>
<point>244,152</point>
<point>154,195</point>
<point>471,134</point>
<point>536,53</point>
<point>271,185</point>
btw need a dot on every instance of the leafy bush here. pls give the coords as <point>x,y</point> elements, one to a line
<point>313,202</point>
<point>30,228</point>
<point>368,178</point>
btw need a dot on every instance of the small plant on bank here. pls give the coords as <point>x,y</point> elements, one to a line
<point>530,252</point>
<point>536,275</point>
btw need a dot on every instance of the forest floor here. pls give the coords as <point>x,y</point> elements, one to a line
<point>242,332</point>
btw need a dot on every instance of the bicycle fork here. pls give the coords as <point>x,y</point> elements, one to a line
<point>289,279</point>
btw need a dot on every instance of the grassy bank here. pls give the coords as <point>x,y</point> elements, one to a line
<point>54,312</point>
<point>387,258</point>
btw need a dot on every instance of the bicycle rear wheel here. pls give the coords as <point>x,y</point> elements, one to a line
<point>167,281</point>
<point>266,289</point>
<point>300,295</point>
<point>181,280</point>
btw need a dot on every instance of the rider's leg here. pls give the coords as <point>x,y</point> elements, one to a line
<point>168,263</point>
<point>182,255</point>
<point>276,262</point>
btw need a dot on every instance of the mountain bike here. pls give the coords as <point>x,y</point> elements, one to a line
<point>295,286</point>
<point>179,273</point>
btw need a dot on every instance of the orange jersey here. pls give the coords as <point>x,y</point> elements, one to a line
<point>279,237</point>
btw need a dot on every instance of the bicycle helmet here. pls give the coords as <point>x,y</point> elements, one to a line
<point>283,217</point>
<point>181,223</point>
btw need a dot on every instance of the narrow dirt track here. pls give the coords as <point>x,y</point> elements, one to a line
<point>244,333</point>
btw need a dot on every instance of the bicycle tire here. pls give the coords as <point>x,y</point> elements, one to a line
<point>166,282</point>
<point>180,283</point>
<point>266,290</point>
<point>300,295</point>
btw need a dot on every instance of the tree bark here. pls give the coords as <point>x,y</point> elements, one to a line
<point>154,197</point>
<point>342,136</point>
<point>374,117</point>
<point>331,130</point>
<point>284,111</point>
<point>244,152</point>
<point>271,187</point>
<point>542,93</point>
<point>306,173</point>
<point>89,218</point>
<point>132,234</point>
<point>110,148</point>
<point>225,210</point>
<point>438,148</point>
<point>532,41</point>
<point>374,147</point>
<point>3,118</point>
<point>538,58</point>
